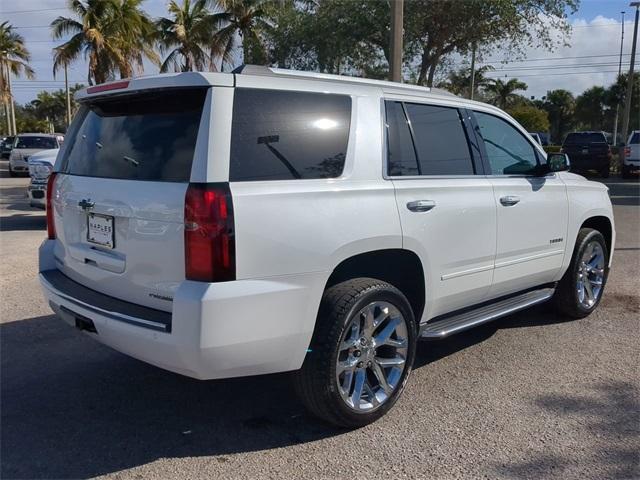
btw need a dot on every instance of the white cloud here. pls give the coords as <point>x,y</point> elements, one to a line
<point>566,67</point>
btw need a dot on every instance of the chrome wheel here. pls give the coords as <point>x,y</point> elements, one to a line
<point>372,356</point>
<point>590,275</point>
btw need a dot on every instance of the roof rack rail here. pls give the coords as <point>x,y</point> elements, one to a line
<point>248,69</point>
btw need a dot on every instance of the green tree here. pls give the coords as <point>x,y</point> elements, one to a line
<point>530,117</point>
<point>615,94</point>
<point>589,111</point>
<point>53,105</point>
<point>113,34</point>
<point>560,106</point>
<point>186,36</point>
<point>459,81</point>
<point>437,28</point>
<point>14,59</point>
<point>502,93</point>
<point>246,19</point>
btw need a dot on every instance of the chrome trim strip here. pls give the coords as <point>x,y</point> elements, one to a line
<point>462,273</point>
<point>529,258</point>
<point>113,315</point>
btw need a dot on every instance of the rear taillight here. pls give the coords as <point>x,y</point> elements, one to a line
<point>51,227</point>
<point>209,243</point>
<point>627,151</point>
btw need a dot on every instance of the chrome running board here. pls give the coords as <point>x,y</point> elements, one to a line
<point>459,322</point>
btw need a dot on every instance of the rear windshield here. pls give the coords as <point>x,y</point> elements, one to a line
<point>635,138</point>
<point>583,138</point>
<point>283,135</point>
<point>150,136</point>
<point>42,143</point>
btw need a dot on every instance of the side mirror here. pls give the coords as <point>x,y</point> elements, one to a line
<point>558,162</point>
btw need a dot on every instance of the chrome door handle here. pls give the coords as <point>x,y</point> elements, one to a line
<point>509,200</point>
<point>421,205</point>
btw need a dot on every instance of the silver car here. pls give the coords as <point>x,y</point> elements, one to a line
<point>25,145</point>
<point>40,167</point>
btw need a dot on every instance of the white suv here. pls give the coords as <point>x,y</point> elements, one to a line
<point>631,156</point>
<point>221,225</point>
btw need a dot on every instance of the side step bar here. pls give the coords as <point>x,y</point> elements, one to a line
<point>463,321</point>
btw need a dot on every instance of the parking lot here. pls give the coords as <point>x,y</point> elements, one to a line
<point>530,396</point>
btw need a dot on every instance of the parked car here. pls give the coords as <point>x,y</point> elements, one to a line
<point>536,137</point>
<point>588,151</point>
<point>25,145</point>
<point>631,155</point>
<point>7,145</point>
<point>40,167</point>
<point>221,225</point>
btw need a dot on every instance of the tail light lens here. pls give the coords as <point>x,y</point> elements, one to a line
<point>627,151</point>
<point>209,233</point>
<point>51,227</point>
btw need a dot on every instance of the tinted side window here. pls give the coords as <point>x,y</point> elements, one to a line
<point>149,136</point>
<point>440,139</point>
<point>281,135</point>
<point>508,151</point>
<point>401,156</point>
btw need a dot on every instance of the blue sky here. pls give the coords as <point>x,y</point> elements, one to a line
<point>596,35</point>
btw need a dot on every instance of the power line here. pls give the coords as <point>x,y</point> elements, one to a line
<point>36,10</point>
<point>555,74</point>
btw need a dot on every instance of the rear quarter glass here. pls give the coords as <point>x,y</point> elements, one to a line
<point>284,135</point>
<point>146,136</point>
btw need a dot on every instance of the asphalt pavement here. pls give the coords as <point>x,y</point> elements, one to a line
<point>530,396</point>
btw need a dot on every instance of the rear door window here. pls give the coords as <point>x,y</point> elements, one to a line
<point>284,135</point>
<point>149,136</point>
<point>440,140</point>
<point>635,138</point>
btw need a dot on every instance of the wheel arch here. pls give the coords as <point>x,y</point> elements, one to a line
<point>604,225</point>
<point>399,267</point>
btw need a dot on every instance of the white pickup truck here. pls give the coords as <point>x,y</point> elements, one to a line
<point>220,225</point>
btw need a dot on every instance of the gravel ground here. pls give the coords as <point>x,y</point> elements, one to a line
<point>530,396</point>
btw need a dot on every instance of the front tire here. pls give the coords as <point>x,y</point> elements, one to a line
<point>11,172</point>
<point>580,290</point>
<point>361,353</point>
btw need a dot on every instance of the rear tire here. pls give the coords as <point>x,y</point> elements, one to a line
<point>581,288</point>
<point>604,173</point>
<point>352,349</point>
<point>626,173</point>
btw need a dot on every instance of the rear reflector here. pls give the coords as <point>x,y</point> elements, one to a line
<point>209,243</point>
<point>105,87</point>
<point>51,227</point>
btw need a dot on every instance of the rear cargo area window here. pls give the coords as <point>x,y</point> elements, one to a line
<point>149,136</point>
<point>282,135</point>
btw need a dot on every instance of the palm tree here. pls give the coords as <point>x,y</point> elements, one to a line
<point>501,93</point>
<point>14,58</point>
<point>113,34</point>
<point>459,81</point>
<point>186,35</point>
<point>248,19</point>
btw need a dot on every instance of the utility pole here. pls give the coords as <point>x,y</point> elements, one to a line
<point>397,14</point>
<point>66,87</point>
<point>473,70</point>
<point>615,120</point>
<point>12,106</point>
<point>627,100</point>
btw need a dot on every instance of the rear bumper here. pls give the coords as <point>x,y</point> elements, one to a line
<point>230,329</point>
<point>589,162</point>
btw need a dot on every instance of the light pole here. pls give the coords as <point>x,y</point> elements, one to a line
<point>615,120</point>
<point>397,14</point>
<point>627,100</point>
